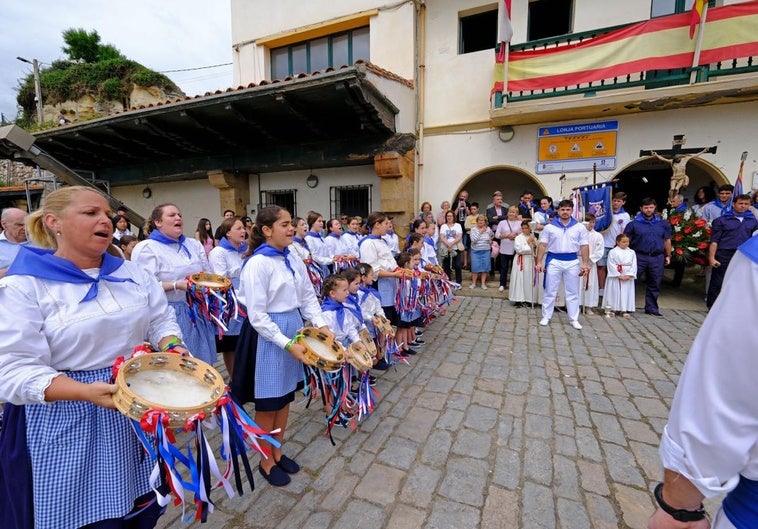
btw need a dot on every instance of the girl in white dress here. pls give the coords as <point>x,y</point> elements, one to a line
<point>316,243</point>
<point>619,285</point>
<point>589,283</point>
<point>523,289</point>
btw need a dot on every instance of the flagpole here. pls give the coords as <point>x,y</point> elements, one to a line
<point>698,44</point>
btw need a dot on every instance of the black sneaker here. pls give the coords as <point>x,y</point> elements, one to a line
<point>382,365</point>
<point>419,333</point>
<point>416,343</point>
<point>372,380</point>
<point>410,351</point>
<point>419,340</point>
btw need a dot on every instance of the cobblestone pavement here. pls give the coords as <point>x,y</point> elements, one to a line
<point>498,423</point>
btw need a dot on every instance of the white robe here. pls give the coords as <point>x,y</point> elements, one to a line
<point>590,285</point>
<point>619,295</point>
<point>522,287</point>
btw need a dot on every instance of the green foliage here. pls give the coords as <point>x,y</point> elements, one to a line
<point>95,69</point>
<point>81,45</point>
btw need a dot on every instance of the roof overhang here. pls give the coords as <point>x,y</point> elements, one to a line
<point>333,118</point>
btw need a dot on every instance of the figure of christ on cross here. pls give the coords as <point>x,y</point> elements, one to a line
<point>679,178</point>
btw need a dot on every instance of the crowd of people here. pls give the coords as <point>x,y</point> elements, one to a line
<point>73,268</point>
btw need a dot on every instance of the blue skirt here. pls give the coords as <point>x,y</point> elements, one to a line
<point>79,463</point>
<point>480,261</point>
<point>199,336</point>
<point>263,372</point>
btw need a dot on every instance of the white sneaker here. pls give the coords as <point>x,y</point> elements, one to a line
<point>500,289</point>
<point>544,321</point>
<point>472,287</point>
<point>575,324</point>
<point>484,287</point>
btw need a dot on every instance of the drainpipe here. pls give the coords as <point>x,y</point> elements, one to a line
<point>420,60</point>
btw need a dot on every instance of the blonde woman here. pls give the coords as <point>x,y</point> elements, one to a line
<point>481,243</point>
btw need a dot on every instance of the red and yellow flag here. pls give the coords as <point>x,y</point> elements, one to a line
<point>696,16</point>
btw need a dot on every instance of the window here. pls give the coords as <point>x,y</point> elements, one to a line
<point>549,18</point>
<point>350,200</point>
<point>318,54</point>
<point>279,197</point>
<point>478,32</point>
<point>661,8</point>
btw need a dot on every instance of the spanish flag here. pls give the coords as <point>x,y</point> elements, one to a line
<point>697,15</point>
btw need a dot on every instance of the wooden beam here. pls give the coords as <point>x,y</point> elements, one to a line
<point>296,110</point>
<point>212,131</point>
<point>158,130</point>
<point>257,127</point>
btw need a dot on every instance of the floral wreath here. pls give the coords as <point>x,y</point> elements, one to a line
<point>690,237</point>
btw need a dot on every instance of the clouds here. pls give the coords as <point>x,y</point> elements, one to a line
<point>167,35</point>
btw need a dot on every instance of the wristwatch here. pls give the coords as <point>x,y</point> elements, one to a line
<point>680,515</point>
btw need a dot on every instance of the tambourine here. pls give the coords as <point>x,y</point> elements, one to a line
<point>382,325</point>
<point>212,297</point>
<point>210,281</point>
<point>182,386</point>
<point>367,341</point>
<point>360,358</point>
<point>321,349</point>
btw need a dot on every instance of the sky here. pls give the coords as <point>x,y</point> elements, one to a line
<point>161,35</point>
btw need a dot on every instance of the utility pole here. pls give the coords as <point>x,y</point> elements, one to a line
<point>37,88</point>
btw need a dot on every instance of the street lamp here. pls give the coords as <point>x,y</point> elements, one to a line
<point>37,88</point>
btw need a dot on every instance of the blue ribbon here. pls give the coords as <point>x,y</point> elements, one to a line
<point>301,242</point>
<point>226,245</point>
<point>372,236</point>
<point>269,251</point>
<point>353,304</point>
<point>158,236</point>
<point>368,291</point>
<point>41,263</point>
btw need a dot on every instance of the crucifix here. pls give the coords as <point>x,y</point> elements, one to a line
<point>679,156</point>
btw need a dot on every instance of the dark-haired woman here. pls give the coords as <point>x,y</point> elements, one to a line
<point>126,244</point>
<point>268,369</point>
<point>171,257</point>
<point>120,228</point>
<point>316,243</point>
<point>226,260</point>
<point>704,195</point>
<point>204,234</point>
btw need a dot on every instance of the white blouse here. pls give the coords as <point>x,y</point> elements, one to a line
<point>319,250</point>
<point>44,329</point>
<point>268,286</point>
<point>227,263</point>
<point>377,253</point>
<point>168,262</point>
<point>349,242</point>
<point>346,334</point>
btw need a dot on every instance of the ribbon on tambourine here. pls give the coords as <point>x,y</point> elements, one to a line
<point>315,274</point>
<point>239,435</point>
<point>216,306</point>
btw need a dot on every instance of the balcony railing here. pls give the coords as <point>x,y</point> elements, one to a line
<point>597,79</point>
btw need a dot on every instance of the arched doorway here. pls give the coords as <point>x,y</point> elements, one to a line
<point>511,181</point>
<point>650,177</point>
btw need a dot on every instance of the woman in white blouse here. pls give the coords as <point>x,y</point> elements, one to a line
<point>226,260</point>
<point>171,257</point>
<point>317,243</point>
<point>63,308</point>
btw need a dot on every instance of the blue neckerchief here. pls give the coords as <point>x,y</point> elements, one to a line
<point>269,251</point>
<point>557,222</point>
<point>339,308</point>
<point>314,234</point>
<point>226,245</point>
<point>301,242</point>
<point>390,232</point>
<point>727,208</point>
<point>356,235</point>
<point>428,240</point>
<point>621,210</point>
<point>371,236</point>
<point>354,305</point>
<point>41,263</point>
<point>368,291</point>
<point>158,236</point>
<point>681,207</point>
<point>641,218</point>
<point>333,235</point>
<point>550,211</point>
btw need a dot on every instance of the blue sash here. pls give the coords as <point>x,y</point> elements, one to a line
<point>558,256</point>
<point>741,504</point>
<point>226,245</point>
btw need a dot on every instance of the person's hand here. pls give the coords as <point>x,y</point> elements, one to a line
<point>714,263</point>
<point>101,394</point>
<point>584,270</point>
<point>326,330</point>
<point>667,260</point>
<point>662,520</point>
<point>539,268</point>
<point>297,351</point>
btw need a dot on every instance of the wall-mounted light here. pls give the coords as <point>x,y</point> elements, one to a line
<point>311,181</point>
<point>505,133</point>
<point>147,192</point>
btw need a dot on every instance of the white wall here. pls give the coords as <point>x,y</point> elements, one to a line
<point>452,159</point>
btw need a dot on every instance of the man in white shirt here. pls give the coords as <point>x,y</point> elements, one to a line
<point>708,447</point>
<point>563,239</point>
<point>13,236</point>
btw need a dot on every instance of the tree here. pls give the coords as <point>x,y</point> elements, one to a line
<point>81,45</point>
